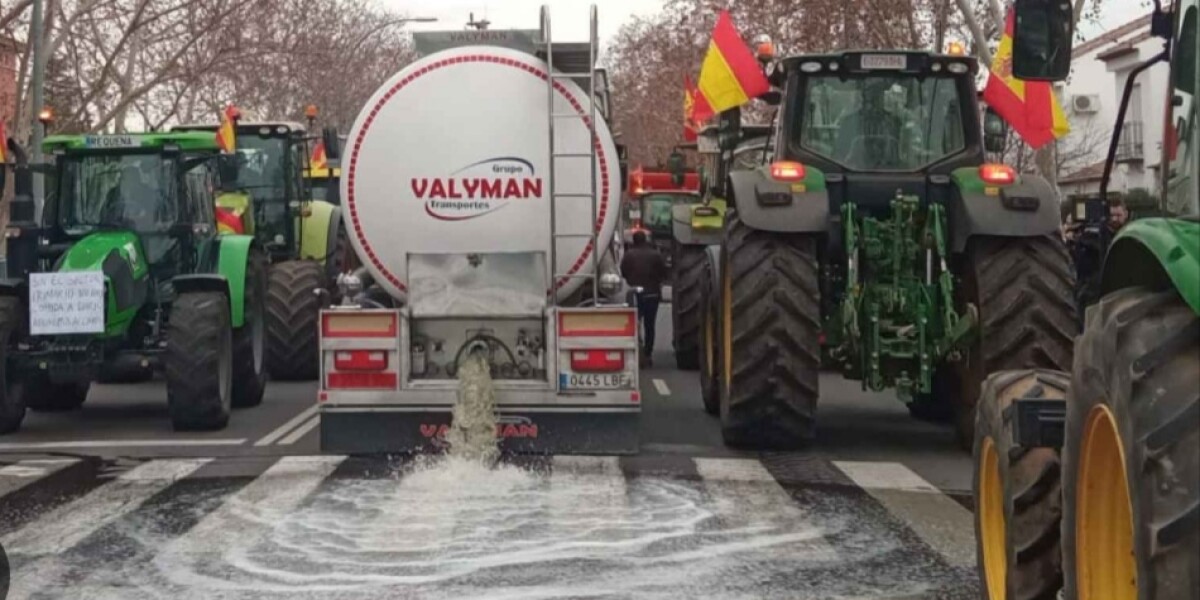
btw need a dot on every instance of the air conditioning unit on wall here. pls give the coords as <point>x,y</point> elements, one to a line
<point>1085,103</point>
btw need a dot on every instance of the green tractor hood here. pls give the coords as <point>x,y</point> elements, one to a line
<point>119,255</point>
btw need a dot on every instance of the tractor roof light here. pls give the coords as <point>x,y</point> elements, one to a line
<point>997,174</point>
<point>311,112</point>
<point>788,171</point>
<point>46,115</point>
<point>764,48</point>
<point>956,49</point>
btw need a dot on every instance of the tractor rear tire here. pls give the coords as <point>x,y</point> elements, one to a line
<point>293,309</point>
<point>710,353</point>
<point>199,362</point>
<point>1018,492</point>
<point>48,397</point>
<point>249,341</point>
<point>1131,502</point>
<point>687,272</point>
<point>770,351</point>
<point>12,389</point>
<point>1023,290</point>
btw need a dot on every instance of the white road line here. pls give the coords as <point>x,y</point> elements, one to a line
<point>746,496</point>
<point>16,476</point>
<point>662,388</point>
<point>941,522</point>
<point>60,529</point>
<point>295,421</point>
<point>78,444</point>
<point>253,510</point>
<point>300,432</point>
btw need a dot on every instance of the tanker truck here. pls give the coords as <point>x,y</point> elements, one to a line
<point>482,189</point>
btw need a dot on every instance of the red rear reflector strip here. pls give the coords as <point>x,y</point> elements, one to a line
<point>597,324</point>
<point>362,381</point>
<point>360,360</point>
<point>605,361</point>
<point>349,324</point>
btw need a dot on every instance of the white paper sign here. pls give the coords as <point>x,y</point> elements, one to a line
<point>66,303</point>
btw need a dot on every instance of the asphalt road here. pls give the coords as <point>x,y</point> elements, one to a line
<point>108,502</point>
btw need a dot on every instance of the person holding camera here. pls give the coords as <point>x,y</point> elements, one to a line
<point>1094,223</point>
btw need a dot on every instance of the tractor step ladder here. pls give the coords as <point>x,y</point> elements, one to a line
<point>557,154</point>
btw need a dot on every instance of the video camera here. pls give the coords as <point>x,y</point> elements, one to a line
<point>1088,241</point>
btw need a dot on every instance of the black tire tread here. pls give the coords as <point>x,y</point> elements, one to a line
<point>1138,356</point>
<point>687,278</point>
<point>249,385</point>
<point>12,400</point>
<point>292,313</point>
<point>770,398</point>
<point>198,329</point>
<point>1031,482</point>
<point>710,381</point>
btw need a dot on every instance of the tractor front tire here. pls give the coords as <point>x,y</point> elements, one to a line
<point>293,309</point>
<point>710,355</point>
<point>249,340</point>
<point>1022,288</point>
<point>770,323</point>
<point>1018,492</point>
<point>1131,494</point>
<point>12,389</point>
<point>687,273</point>
<point>199,362</point>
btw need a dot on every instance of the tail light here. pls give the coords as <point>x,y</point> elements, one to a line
<point>359,324</point>
<point>360,360</point>
<point>597,324</point>
<point>997,174</point>
<point>597,361</point>
<point>787,171</point>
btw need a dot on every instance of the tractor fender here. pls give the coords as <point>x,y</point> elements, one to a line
<point>1026,208</point>
<point>684,230</point>
<point>769,205</point>
<point>318,228</point>
<point>15,288</point>
<point>233,257</point>
<point>1173,245</point>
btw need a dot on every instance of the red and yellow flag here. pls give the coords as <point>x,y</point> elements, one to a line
<point>1029,106</point>
<point>319,160</point>
<point>226,133</point>
<point>695,110</point>
<point>3,143</point>
<point>730,76</point>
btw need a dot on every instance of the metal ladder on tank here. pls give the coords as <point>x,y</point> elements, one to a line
<point>557,153</point>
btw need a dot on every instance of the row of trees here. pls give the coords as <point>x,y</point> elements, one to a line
<point>118,64</point>
<point>650,55</point>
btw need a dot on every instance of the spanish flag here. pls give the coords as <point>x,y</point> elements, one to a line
<point>695,110</point>
<point>3,144</point>
<point>1029,106</point>
<point>226,133</point>
<point>730,77</point>
<point>319,161</point>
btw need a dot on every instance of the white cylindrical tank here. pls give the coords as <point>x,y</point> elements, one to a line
<point>452,155</point>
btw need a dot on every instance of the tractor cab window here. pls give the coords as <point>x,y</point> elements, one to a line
<point>1182,135</point>
<point>129,191</point>
<point>656,210</point>
<point>261,166</point>
<point>880,122</point>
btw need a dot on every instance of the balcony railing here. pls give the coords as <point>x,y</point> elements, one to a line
<point>1130,148</point>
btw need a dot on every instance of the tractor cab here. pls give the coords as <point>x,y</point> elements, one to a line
<point>652,196</point>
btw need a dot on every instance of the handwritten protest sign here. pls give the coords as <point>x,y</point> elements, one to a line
<point>66,303</point>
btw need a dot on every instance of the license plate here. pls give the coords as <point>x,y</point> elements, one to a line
<point>594,381</point>
<point>884,61</point>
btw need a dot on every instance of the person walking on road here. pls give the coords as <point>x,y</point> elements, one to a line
<point>644,267</point>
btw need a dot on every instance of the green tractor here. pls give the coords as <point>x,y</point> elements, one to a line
<point>125,271</point>
<point>264,184</point>
<point>879,243</point>
<point>1087,478</point>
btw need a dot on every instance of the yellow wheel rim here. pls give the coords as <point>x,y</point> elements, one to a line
<point>726,328</point>
<point>1104,561</point>
<point>992,531</point>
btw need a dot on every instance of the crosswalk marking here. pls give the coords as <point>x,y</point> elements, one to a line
<point>939,521</point>
<point>300,432</point>
<point>292,423</point>
<point>64,527</point>
<point>661,387</point>
<point>88,444</point>
<point>16,476</point>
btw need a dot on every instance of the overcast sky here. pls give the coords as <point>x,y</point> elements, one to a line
<point>570,17</point>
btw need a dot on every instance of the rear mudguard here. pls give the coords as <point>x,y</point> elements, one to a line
<point>1026,208</point>
<point>122,259</point>
<point>319,230</point>
<point>691,229</point>
<point>768,205</point>
<point>233,256</point>
<point>1172,245</point>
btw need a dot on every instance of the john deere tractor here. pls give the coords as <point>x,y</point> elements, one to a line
<point>1087,478</point>
<point>878,239</point>
<point>123,271</point>
<point>262,183</point>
